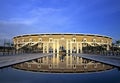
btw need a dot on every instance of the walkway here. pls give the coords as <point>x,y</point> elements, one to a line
<point>110,60</point>
<point>11,60</point>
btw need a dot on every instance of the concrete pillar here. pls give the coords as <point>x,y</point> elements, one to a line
<point>58,46</point>
<point>71,60</point>
<point>67,53</point>
<point>77,48</point>
<point>43,47</point>
<point>67,47</point>
<point>47,47</point>
<point>71,47</point>
<point>16,51</point>
<point>53,60</point>
<point>108,48</point>
<point>54,47</point>
<point>57,53</point>
<point>54,54</point>
<point>47,59</point>
<point>67,60</point>
<point>71,53</point>
<point>81,60</point>
<point>17,47</point>
<point>77,60</point>
<point>43,60</point>
<point>80,47</point>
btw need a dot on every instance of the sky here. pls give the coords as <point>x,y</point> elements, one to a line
<point>18,17</point>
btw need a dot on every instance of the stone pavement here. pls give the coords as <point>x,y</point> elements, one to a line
<point>110,60</point>
<point>11,60</point>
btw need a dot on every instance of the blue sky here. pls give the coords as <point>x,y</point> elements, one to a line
<point>19,17</point>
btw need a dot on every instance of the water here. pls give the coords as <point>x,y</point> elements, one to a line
<point>10,75</point>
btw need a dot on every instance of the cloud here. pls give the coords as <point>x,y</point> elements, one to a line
<point>37,20</point>
<point>10,29</point>
<point>35,16</point>
<point>24,21</point>
<point>51,16</point>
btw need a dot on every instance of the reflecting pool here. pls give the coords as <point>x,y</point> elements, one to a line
<point>62,69</point>
<point>11,75</point>
<point>63,64</point>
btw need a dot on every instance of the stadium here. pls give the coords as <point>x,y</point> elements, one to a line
<point>67,42</point>
<point>64,47</point>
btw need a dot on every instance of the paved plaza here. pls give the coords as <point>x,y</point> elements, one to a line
<point>11,60</point>
<point>111,60</point>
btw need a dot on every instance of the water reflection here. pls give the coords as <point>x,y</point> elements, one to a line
<point>10,75</point>
<point>65,63</point>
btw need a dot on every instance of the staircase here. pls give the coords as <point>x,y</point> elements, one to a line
<point>23,45</point>
<point>33,44</point>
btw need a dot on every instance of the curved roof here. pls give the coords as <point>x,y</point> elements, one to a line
<point>84,34</point>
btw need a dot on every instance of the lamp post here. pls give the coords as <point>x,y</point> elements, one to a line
<point>4,47</point>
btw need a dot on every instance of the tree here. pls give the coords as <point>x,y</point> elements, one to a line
<point>118,42</point>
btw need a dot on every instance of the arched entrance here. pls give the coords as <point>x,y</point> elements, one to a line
<point>62,49</point>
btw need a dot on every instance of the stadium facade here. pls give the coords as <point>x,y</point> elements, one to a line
<point>57,42</point>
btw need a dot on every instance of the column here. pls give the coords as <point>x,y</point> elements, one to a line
<point>43,47</point>
<point>81,60</point>
<point>71,60</point>
<point>67,53</point>
<point>47,59</point>
<point>71,47</point>
<point>71,53</point>
<point>54,54</point>
<point>77,48</point>
<point>43,60</point>
<point>80,47</point>
<point>108,47</point>
<point>58,53</point>
<point>67,47</point>
<point>47,47</point>
<point>77,60</point>
<point>58,46</point>
<point>16,50</point>
<point>54,47</point>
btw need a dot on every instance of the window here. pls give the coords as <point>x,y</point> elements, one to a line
<point>39,66</point>
<point>74,66</point>
<point>84,40</point>
<point>40,39</point>
<point>69,41</point>
<point>74,39</point>
<point>49,57</point>
<point>30,39</point>
<point>50,39</point>
<point>101,41</point>
<point>74,50</point>
<point>50,65</point>
<point>23,40</point>
<point>106,41</point>
<point>18,41</point>
<point>74,58</point>
<point>50,50</point>
<point>94,40</point>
